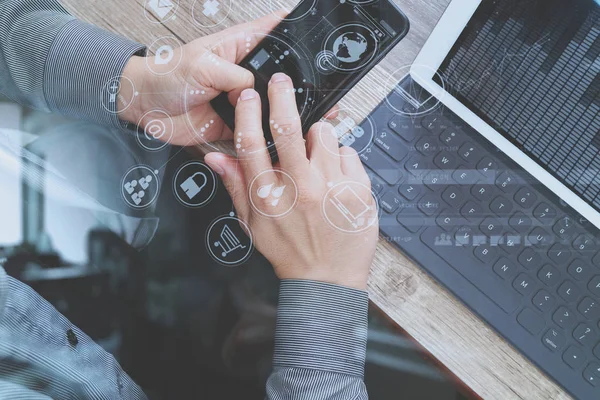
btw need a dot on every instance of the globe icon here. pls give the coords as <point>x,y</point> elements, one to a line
<point>350,47</point>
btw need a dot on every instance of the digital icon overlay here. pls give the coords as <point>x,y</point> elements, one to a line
<point>163,10</point>
<point>350,207</point>
<point>119,94</point>
<point>195,184</point>
<point>273,193</point>
<point>210,13</point>
<point>348,133</point>
<point>158,130</point>
<point>227,242</point>
<point>140,187</point>
<point>168,54</point>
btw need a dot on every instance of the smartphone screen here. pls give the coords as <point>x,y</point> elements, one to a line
<point>326,47</point>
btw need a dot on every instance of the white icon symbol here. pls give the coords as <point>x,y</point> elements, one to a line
<point>354,216</point>
<point>140,192</point>
<point>443,240</point>
<point>161,7</point>
<point>155,129</point>
<point>164,54</point>
<point>271,190</point>
<point>211,8</point>
<point>191,187</point>
<point>228,242</point>
<point>113,91</point>
<point>195,184</point>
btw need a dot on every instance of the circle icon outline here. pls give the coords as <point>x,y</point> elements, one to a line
<point>154,197</point>
<point>212,194</point>
<point>164,143</point>
<point>248,232</point>
<point>179,57</point>
<point>289,210</point>
<point>363,63</point>
<point>363,229</point>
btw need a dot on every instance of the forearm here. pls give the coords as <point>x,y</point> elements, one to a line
<point>320,343</point>
<point>53,62</point>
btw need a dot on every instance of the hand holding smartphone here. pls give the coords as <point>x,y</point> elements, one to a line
<point>326,47</point>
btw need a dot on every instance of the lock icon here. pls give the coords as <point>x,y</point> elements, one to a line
<point>191,187</point>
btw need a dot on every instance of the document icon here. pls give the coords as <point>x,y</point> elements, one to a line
<point>161,7</point>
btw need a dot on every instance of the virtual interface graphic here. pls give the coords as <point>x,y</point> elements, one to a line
<point>325,47</point>
<point>530,69</point>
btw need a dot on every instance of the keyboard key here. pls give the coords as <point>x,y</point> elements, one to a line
<point>520,222</point>
<point>544,213</point>
<point>580,270</point>
<point>451,138</point>
<point>596,260</point>
<point>595,368</point>
<point>418,167</point>
<point>553,340</point>
<point>391,145</point>
<point>505,269</point>
<point>470,153</point>
<point>486,283</point>
<point>585,335</point>
<point>449,222</point>
<point>382,165</point>
<point>549,275</point>
<point>481,192</point>
<point>589,374</point>
<point>453,196</point>
<point>543,301</point>
<point>487,165</point>
<point>377,185</point>
<point>472,211</point>
<point>435,123</point>
<point>584,244</point>
<point>589,308</point>
<point>506,182</point>
<point>485,253</point>
<point>389,202</point>
<point>524,284</point>
<point>530,259</point>
<point>445,160</point>
<point>429,205</point>
<point>409,192</point>
<point>491,227</point>
<point>539,237</point>
<point>597,350</point>
<point>463,236</point>
<point>437,179</point>
<point>564,228</point>
<point>510,243</point>
<point>569,291</point>
<point>531,321</point>
<point>427,146</point>
<point>465,176</point>
<point>594,286</point>
<point>559,253</point>
<point>574,357</point>
<point>525,197</point>
<point>405,128</point>
<point>411,220</point>
<point>501,206</point>
<point>564,317</point>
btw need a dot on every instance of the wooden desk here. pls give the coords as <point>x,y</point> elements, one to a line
<point>444,327</point>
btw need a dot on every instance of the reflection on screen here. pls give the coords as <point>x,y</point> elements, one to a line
<point>530,69</point>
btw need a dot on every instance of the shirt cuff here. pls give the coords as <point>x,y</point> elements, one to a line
<point>321,326</point>
<point>82,61</point>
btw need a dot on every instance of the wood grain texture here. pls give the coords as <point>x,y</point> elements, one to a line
<point>442,325</point>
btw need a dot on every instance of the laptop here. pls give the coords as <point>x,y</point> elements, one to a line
<point>486,162</point>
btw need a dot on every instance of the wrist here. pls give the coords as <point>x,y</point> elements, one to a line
<point>349,280</point>
<point>135,71</point>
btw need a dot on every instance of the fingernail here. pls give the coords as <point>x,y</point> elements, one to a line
<point>279,77</point>
<point>248,94</point>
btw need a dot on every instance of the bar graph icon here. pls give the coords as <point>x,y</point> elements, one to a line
<point>228,242</point>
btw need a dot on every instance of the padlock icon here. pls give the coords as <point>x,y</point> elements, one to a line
<point>190,185</point>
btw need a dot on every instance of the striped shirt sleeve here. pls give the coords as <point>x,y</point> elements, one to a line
<point>320,343</point>
<point>50,61</point>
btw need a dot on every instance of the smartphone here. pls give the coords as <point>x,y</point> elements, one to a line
<point>326,47</point>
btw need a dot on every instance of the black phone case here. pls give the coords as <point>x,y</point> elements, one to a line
<point>227,112</point>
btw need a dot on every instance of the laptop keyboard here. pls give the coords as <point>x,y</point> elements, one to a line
<point>488,230</point>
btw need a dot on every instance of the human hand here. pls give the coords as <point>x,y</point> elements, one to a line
<point>311,238</point>
<point>208,65</point>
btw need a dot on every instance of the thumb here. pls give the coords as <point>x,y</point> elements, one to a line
<point>228,169</point>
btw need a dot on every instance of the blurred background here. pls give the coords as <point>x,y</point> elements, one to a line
<point>141,282</point>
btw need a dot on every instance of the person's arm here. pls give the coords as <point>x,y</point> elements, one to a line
<point>321,254</point>
<point>53,62</point>
<point>320,343</point>
<point>42,355</point>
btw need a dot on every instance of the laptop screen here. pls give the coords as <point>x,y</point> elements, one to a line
<point>529,68</point>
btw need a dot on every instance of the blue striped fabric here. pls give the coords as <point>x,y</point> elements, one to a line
<point>52,62</point>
